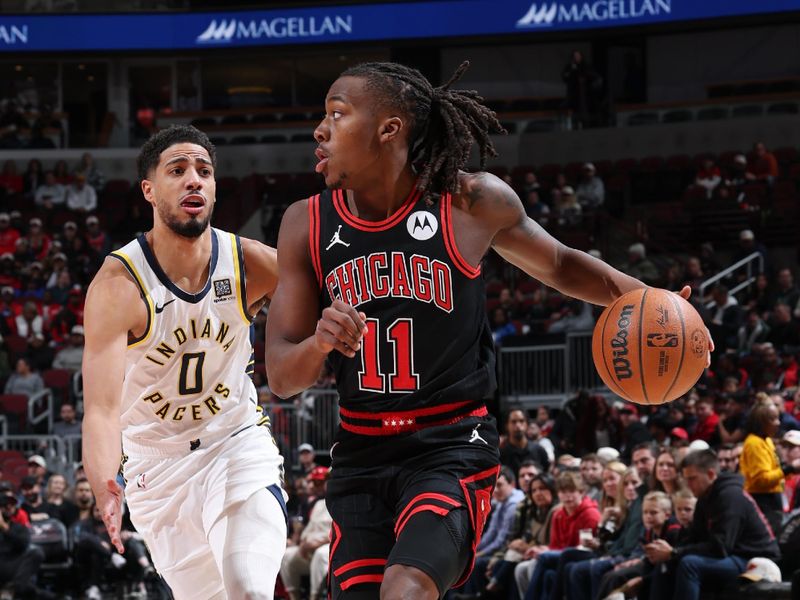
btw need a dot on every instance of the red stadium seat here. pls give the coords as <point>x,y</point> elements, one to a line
<point>15,406</point>
<point>17,345</point>
<point>60,381</point>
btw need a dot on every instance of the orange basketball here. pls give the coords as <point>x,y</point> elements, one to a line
<point>650,346</point>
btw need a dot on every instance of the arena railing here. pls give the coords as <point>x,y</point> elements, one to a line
<point>40,409</point>
<point>51,447</point>
<point>3,426</point>
<point>741,267</point>
<point>548,373</point>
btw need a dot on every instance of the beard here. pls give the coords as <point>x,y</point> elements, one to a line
<point>193,228</point>
<point>340,183</point>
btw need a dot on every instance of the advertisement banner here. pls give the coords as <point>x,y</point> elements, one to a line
<point>354,23</point>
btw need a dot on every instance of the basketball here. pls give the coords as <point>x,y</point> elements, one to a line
<point>650,346</point>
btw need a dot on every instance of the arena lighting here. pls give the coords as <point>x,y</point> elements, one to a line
<point>349,23</point>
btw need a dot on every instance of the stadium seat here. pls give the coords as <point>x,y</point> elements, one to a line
<point>243,140</point>
<point>15,406</point>
<point>18,346</point>
<point>301,137</point>
<point>785,155</point>
<point>234,120</point>
<point>676,116</point>
<point>747,110</point>
<point>60,381</point>
<point>274,139</point>
<point>645,118</point>
<point>783,108</point>
<point>265,118</point>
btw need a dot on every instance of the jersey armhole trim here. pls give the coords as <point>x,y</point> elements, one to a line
<point>450,240</point>
<point>313,236</point>
<point>239,274</point>
<point>148,301</point>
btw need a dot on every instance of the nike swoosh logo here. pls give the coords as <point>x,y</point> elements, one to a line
<point>163,306</point>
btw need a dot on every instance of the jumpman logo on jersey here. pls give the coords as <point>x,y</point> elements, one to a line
<point>337,240</point>
<point>477,436</point>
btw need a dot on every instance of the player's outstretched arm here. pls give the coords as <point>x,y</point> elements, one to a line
<point>261,266</point>
<point>299,338</point>
<point>113,307</point>
<point>524,243</point>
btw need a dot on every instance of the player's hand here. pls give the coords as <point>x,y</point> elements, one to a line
<point>110,502</point>
<point>685,293</point>
<point>340,328</point>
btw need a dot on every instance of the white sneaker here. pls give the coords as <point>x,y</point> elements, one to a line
<point>118,561</point>
<point>93,593</point>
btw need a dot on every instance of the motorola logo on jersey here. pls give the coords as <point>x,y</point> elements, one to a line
<point>422,225</point>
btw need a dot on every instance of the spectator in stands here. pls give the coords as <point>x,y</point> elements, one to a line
<point>24,381</point>
<point>33,504</point>
<point>759,464</point>
<point>98,240</point>
<point>639,266</point>
<point>39,354</point>
<point>37,468</point>
<point>566,208</point>
<point>94,553</point>
<point>583,90</point>
<point>747,246</point>
<point>310,556</point>
<point>791,446</point>
<point>501,326</point>
<point>708,177</point>
<point>59,291</point>
<point>784,332</point>
<point>577,513</point>
<point>765,167</point>
<point>633,434</point>
<point>59,507</point>
<point>598,426</point>
<point>10,179</point>
<point>727,530</point>
<point>71,357</point>
<point>732,428</point>
<point>51,193</point>
<point>32,178</point>
<point>592,474</point>
<point>707,419</point>
<point>785,291</point>
<point>591,192</point>
<point>19,559</point>
<point>29,321</point>
<point>577,317</point>
<point>535,208</point>
<point>11,123</point>
<point>81,197</point>
<point>305,454</point>
<point>518,448</point>
<point>83,497</point>
<point>665,476</point>
<point>89,169</point>
<point>61,172</point>
<point>643,459</point>
<point>726,317</point>
<point>753,331</point>
<point>8,235</point>
<point>69,423</point>
<point>38,241</point>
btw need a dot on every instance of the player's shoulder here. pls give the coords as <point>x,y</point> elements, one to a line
<point>483,193</point>
<point>113,275</point>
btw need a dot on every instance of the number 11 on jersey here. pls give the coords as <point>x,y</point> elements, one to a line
<point>403,378</point>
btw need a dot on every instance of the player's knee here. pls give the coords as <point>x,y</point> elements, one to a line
<point>401,582</point>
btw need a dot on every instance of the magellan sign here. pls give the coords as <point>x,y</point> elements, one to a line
<point>548,14</point>
<point>11,35</point>
<point>228,30</point>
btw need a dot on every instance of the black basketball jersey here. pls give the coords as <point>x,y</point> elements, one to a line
<point>428,350</point>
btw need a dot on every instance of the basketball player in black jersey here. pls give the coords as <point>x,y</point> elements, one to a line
<point>380,275</point>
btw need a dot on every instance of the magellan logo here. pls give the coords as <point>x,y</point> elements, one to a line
<point>554,13</point>
<point>11,35</point>
<point>619,344</point>
<point>422,225</point>
<point>227,30</point>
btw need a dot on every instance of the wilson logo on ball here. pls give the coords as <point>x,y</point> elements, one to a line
<point>619,344</point>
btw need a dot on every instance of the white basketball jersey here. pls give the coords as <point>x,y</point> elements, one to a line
<point>187,379</point>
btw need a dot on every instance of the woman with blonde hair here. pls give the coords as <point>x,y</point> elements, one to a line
<point>666,477</point>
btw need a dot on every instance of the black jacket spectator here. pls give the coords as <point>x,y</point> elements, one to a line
<point>728,522</point>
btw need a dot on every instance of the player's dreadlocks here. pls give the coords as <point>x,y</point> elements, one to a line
<point>444,122</point>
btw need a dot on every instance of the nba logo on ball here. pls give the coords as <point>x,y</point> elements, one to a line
<point>650,346</point>
<point>422,225</point>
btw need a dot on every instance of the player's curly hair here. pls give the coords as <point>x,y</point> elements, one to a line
<point>151,150</point>
<point>444,123</point>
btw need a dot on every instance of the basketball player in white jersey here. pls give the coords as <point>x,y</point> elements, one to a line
<point>166,373</point>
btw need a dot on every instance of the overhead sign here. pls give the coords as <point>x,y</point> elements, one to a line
<point>351,23</point>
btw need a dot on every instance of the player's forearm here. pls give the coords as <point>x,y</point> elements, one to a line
<point>584,277</point>
<point>293,368</point>
<point>101,447</point>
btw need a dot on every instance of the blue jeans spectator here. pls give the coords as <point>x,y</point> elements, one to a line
<point>585,576</point>
<point>544,575</point>
<point>693,572</point>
